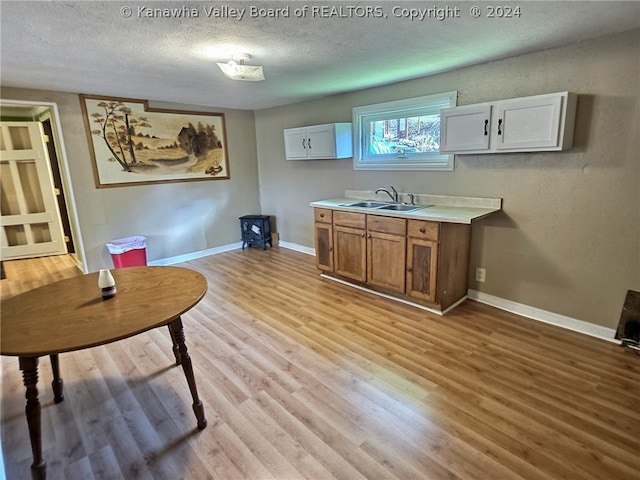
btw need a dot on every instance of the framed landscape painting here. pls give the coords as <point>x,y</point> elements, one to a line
<point>134,144</point>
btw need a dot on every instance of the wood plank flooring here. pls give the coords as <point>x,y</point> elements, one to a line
<point>304,378</point>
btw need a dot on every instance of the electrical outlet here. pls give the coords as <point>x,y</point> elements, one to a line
<point>481,274</point>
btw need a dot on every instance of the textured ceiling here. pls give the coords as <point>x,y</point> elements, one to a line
<point>168,50</point>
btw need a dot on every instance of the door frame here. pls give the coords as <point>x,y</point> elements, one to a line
<point>63,164</point>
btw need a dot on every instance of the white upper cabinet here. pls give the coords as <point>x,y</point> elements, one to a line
<point>530,124</point>
<point>465,129</point>
<point>295,144</point>
<point>332,140</point>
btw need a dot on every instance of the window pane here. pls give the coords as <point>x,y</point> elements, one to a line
<point>402,134</point>
<point>405,135</point>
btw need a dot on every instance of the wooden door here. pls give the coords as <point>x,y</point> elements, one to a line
<point>386,256</point>
<point>350,252</point>
<point>31,225</point>
<point>324,246</point>
<point>422,266</point>
<point>386,252</point>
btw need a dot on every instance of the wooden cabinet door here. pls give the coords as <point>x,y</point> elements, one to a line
<point>465,128</point>
<point>422,266</point>
<point>386,256</point>
<point>350,252</point>
<point>324,246</point>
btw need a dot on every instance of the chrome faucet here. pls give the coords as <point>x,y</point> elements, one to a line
<point>393,196</point>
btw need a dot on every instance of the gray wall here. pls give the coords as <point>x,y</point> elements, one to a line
<point>568,240</point>
<point>176,218</point>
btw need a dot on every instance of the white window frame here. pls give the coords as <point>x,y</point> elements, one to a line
<point>411,107</point>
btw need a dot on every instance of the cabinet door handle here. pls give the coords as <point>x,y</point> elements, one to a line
<point>309,143</point>
<point>322,215</point>
<point>409,269</point>
<point>362,235</point>
<point>486,122</point>
<point>422,230</point>
<point>304,143</point>
<point>499,126</point>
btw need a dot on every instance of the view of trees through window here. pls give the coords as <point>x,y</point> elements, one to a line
<point>405,135</point>
<point>401,134</point>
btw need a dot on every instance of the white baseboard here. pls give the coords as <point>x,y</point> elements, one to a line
<point>297,248</point>
<point>545,316</point>
<point>224,248</point>
<point>194,255</point>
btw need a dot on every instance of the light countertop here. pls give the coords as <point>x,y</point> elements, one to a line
<point>450,209</point>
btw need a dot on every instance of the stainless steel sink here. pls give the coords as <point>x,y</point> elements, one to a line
<point>401,207</point>
<point>366,204</point>
<point>376,205</point>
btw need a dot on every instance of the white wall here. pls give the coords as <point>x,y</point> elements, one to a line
<point>568,240</point>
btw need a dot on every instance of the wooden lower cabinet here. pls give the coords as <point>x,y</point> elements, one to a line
<point>324,246</point>
<point>422,266</point>
<point>437,262</point>
<point>386,252</point>
<point>350,245</point>
<point>350,254</point>
<point>422,261</point>
<point>324,238</point>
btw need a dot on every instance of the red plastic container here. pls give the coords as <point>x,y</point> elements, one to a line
<point>128,252</point>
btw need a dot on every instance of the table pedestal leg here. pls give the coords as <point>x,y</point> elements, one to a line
<point>177,334</point>
<point>176,350</point>
<point>58,396</point>
<point>29,367</point>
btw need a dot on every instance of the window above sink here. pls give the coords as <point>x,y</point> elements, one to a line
<point>401,135</point>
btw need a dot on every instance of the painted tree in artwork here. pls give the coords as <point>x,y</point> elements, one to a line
<point>117,126</point>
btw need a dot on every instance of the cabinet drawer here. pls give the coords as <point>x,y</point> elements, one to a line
<point>349,219</point>
<point>424,229</point>
<point>395,226</point>
<point>323,215</point>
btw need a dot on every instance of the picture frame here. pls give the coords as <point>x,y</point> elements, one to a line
<point>132,143</point>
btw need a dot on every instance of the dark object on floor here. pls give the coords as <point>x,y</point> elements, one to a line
<point>629,327</point>
<point>255,230</point>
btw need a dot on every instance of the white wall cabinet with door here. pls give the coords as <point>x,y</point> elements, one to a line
<point>529,124</point>
<point>329,141</point>
<point>31,224</point>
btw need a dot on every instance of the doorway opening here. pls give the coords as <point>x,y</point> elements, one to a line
<point>47,115</point>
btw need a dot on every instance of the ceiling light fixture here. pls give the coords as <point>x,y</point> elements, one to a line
<point>235,69</point>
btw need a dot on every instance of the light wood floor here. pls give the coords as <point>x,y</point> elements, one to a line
<point>305,378</point>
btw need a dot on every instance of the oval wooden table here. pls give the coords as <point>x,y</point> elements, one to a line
<point>71,315</point>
